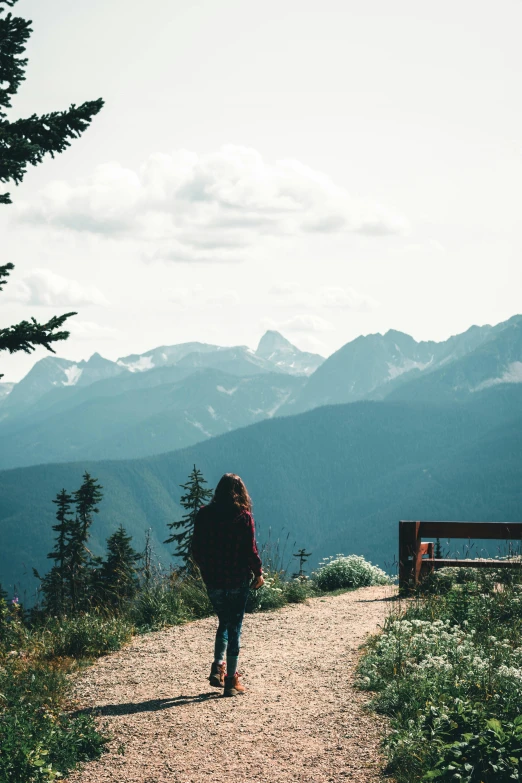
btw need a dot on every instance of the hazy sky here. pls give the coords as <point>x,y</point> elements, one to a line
<point>327,169</point>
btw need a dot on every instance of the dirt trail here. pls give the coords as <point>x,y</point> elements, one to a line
<point>301,720</point>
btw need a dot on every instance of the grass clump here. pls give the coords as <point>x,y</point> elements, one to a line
<point>156,607</point>
<point>270,596</point>
<point>38,741</point>
<point>85,636</point>
<point>342,571</point>
<point>298,590</point>
<point>169,601</point>
<point>448,672</point>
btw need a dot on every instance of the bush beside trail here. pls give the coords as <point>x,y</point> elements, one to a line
<point>351,571</point>
<point>448,672</point>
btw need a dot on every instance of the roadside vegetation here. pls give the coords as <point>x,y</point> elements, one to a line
<point>447,670</point>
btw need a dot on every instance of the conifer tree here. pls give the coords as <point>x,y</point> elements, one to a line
<point>303,556</point>
<point>24,142</point>
<point>54,583</point>
<point>93,584</point>
<point>78,555</point>
<point>195,494</point>
<point>86,499</point>
<point>54,595</point>
<point>119,574</point>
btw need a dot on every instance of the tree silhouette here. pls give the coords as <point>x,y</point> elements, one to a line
<point>24,142</point>
<point>194,497</point>
<point>118,572</point>
<point>54,584</point>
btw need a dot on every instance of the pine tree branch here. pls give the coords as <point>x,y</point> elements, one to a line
<point>27,141</point>
<point>26,335</point>
<point>5,270</point>
<point>14,33</point>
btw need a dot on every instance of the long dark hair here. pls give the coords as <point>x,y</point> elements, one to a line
<point>231,495</point>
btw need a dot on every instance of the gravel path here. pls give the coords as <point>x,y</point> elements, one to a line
<point>301,720</point>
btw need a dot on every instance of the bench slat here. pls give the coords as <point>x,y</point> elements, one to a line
<point>442,562</point>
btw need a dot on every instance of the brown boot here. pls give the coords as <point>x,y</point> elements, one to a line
<point>217,674</point>
<point>233,687</point>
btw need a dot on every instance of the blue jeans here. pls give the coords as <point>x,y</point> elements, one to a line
<point>229,605</point>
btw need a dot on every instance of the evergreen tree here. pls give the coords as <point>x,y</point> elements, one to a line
<point>86,499</point>
<point>27,141</point>
<point>438,549</point>
<point>119,574</point>
<point>194,497</point>
<point>93,586</point>
<point>24,142</point>
<point>54,583</point>
<point>54,595</point>
<point>27,335</point>
<point>303,556</point>
<point>78,556</point>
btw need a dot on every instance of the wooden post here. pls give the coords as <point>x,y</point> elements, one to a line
<point>409,553</point>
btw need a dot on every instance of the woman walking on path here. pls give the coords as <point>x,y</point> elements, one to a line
<point>224,547</point>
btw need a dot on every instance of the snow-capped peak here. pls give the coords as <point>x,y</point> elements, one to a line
<point>72,374</point>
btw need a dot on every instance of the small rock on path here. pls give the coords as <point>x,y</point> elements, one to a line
<point>301,719</point>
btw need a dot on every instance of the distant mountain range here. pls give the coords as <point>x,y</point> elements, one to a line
<point>334,479</point>
<point>165,399</point>
<point>395,366</point>
<point>174,396</point>
<point>5,389</point>
<point>274,354</point>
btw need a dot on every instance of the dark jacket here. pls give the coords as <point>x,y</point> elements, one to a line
<point>224,547</point>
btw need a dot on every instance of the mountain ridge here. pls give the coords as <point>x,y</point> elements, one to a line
<point>50,424</point>
<point>323,477</point>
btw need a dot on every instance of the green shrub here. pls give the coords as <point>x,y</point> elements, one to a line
<point>270,596</point>
<point>449,674</point>
<point>298,590</point>
<point>194,597</point>
<point>157,607</point>
<point>14,634</point>
<point>86,636</point>
<point>37,741</point>
<point>348,571</point>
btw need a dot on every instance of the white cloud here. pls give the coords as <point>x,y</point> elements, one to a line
<point>223,299</point>
<point>300,323</point>
<point>183,295</point>
<point>201,208</point>
<point>292,295</point>
<point>346,298</point>
<point>194,297</point>
<point>88,330</point>
<point>431,246</point>
<point>43,287</point>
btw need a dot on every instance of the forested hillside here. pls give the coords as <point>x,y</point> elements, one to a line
<point>143,419</point>
<point>335,479</point>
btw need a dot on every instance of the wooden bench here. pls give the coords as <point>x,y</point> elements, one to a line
<point>416,558</point>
